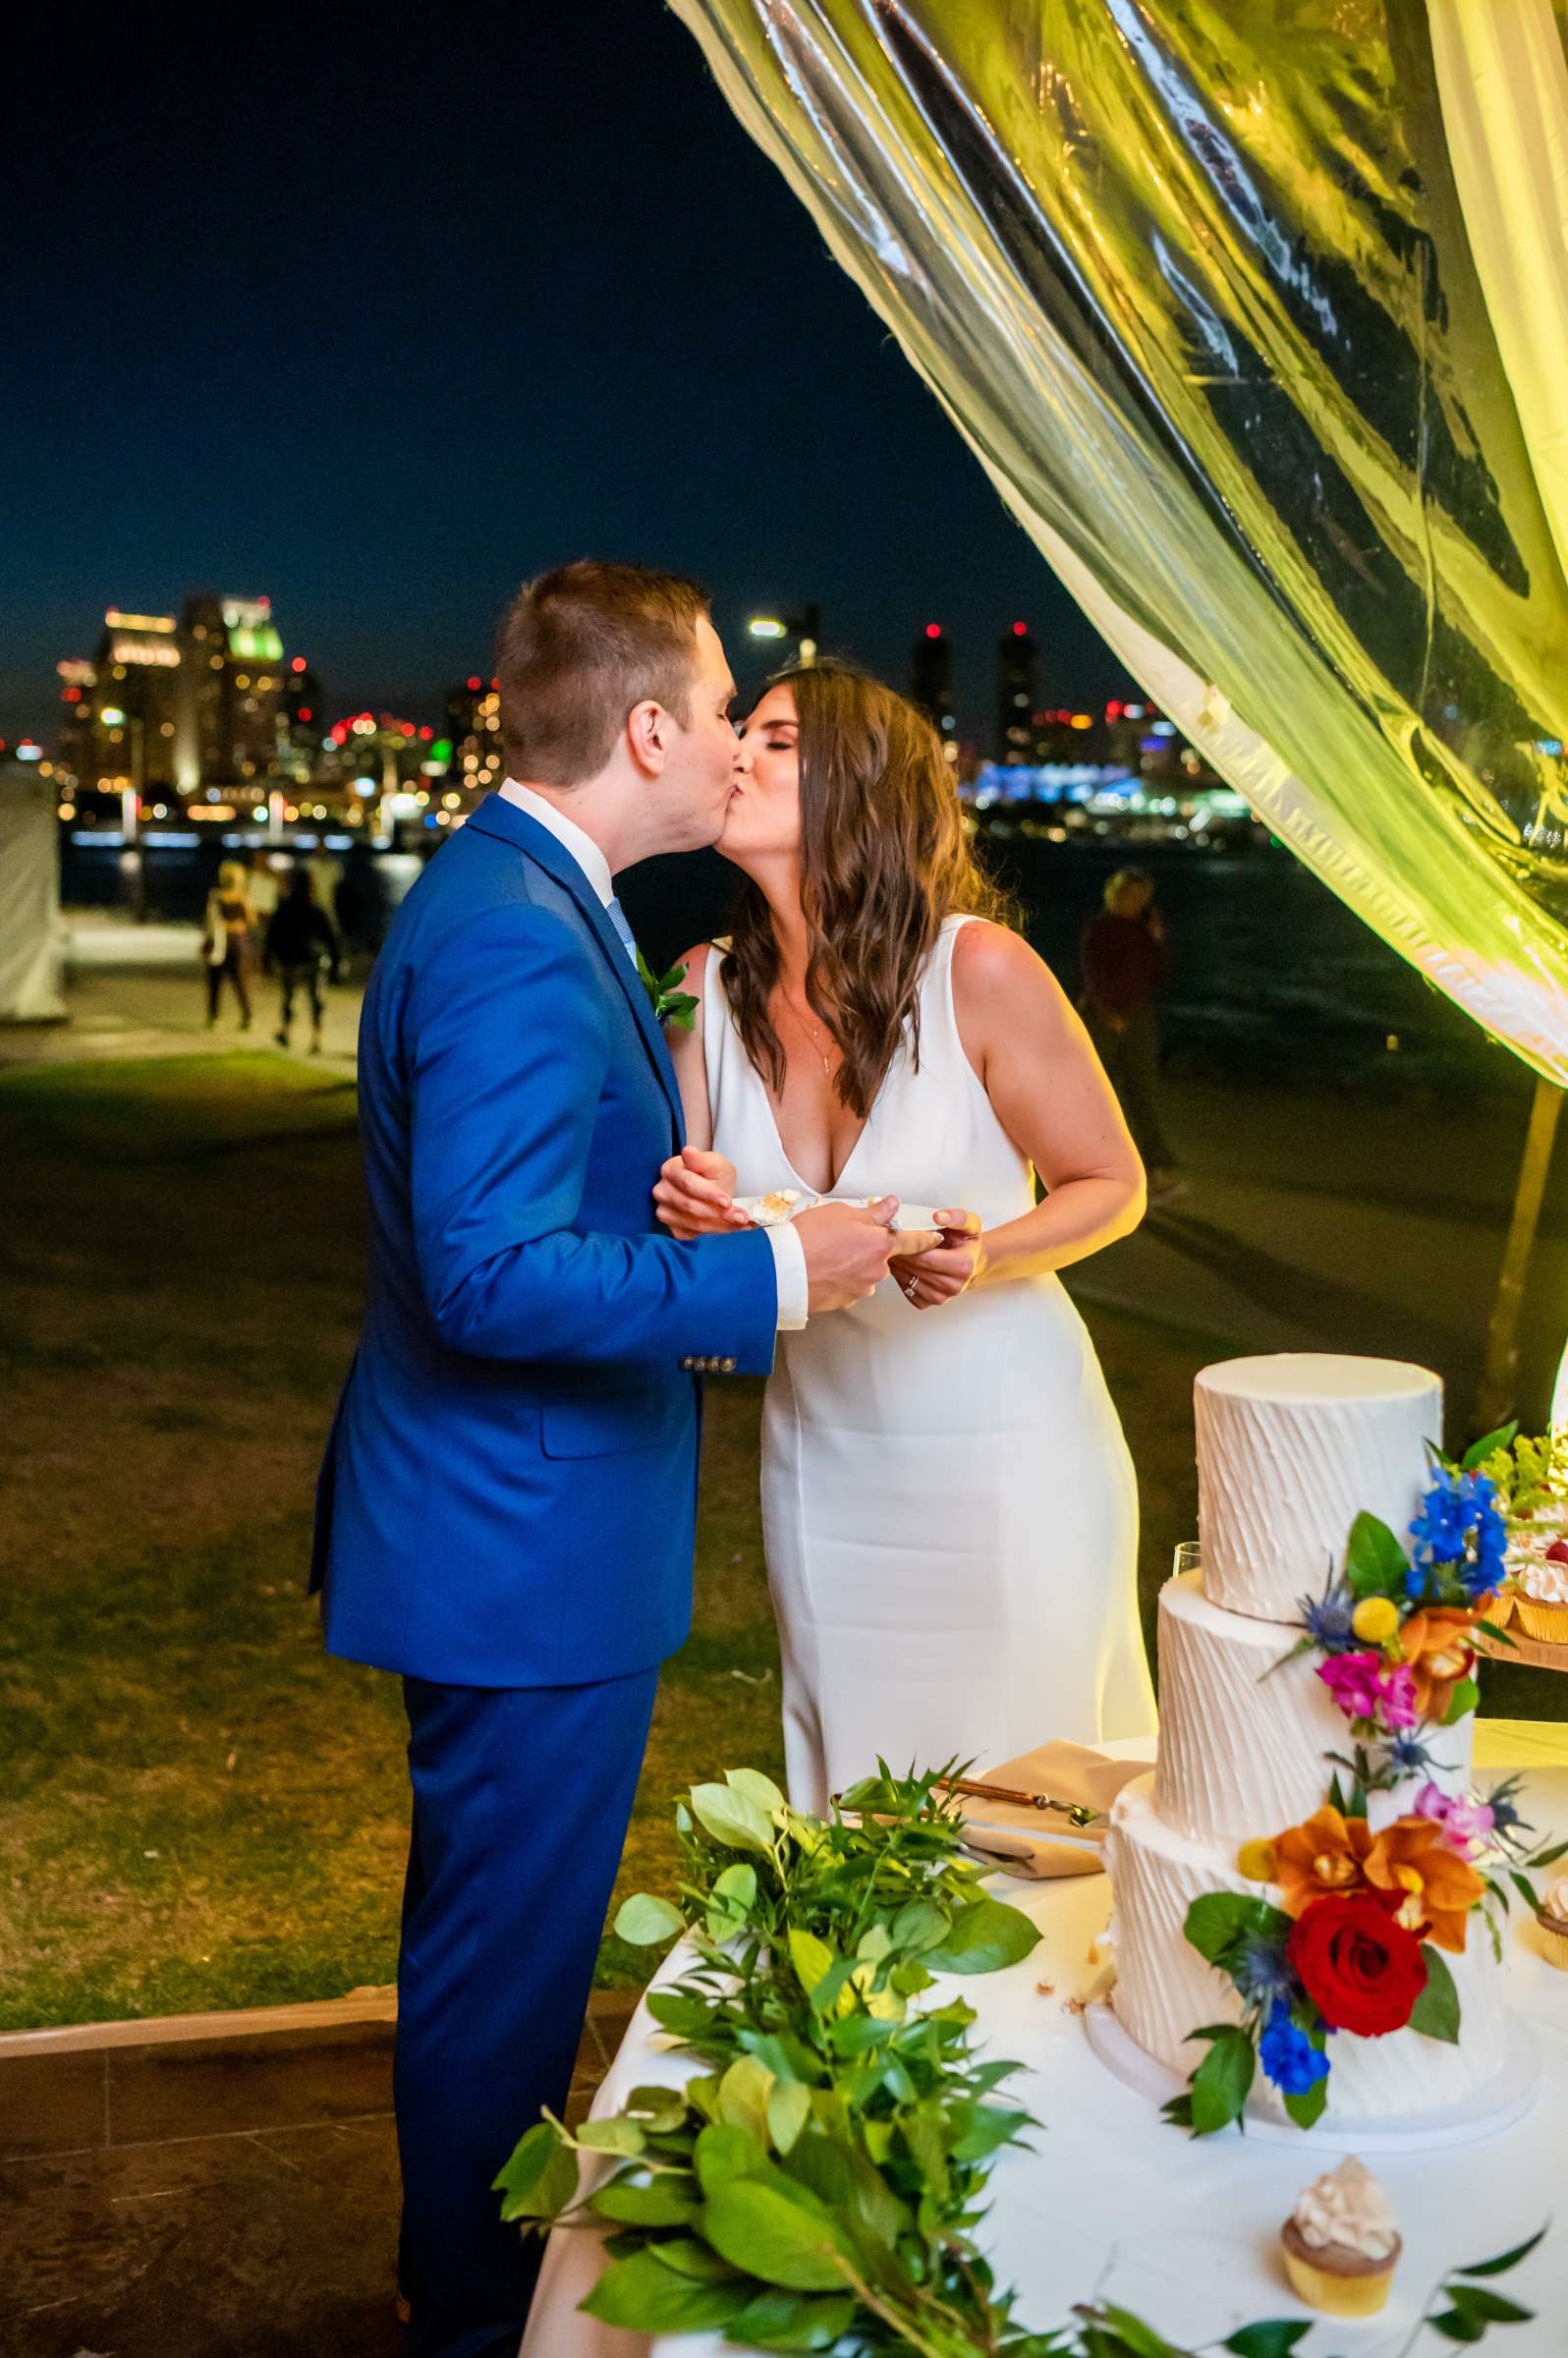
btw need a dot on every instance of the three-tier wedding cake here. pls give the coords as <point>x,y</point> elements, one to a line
<point>1291,1449</point>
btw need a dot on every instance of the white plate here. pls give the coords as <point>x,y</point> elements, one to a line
<point>909,1216</point>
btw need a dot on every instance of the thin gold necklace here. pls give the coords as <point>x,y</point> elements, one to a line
<point>813,1037</point>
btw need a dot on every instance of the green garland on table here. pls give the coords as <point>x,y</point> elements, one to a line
<point>819,2187</point>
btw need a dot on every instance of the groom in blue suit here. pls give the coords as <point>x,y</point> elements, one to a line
<point>506,1509</point>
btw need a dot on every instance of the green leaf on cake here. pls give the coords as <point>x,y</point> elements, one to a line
<point>1436,2012</point>
<point>1376,1564</point>
<point>1218,1922</point>
<point>1464,1698</point>
<point>1306,2109</point>
<point>1222,2081</point>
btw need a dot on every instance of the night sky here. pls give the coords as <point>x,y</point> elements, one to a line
<point>378,310</point>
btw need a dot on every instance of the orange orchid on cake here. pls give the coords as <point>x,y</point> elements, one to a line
<point>1327,1853</point>
<point>1439,1887</point>
<point>1435,1642</point>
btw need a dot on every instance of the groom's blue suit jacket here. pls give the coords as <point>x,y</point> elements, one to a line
<point>509,1491</point>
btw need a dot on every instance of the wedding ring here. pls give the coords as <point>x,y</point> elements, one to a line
<point>910,1289</point>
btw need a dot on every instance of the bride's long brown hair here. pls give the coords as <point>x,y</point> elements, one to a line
<point>884,857</point>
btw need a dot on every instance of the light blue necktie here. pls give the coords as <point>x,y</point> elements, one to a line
<point>617,917</point>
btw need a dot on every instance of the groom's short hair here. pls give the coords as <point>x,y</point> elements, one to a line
<point>578,649</point>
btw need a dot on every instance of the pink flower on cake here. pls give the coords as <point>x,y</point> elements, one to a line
<point>1467,1825</point>
<point>1365,1690</point>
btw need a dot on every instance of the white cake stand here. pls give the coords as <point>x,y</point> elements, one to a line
<point>1505,2099</point>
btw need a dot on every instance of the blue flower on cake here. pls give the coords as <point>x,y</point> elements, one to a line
<point>1286,2053</point>
<point>1459,1534</point>
<point>1327,1620</point>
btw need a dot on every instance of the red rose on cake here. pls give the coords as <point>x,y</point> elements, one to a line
<point>1358,1964</point>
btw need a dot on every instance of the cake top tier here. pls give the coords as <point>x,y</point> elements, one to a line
<point>1291,1447</point>
<point>1323,1377</point>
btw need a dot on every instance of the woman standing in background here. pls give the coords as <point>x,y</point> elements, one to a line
<point>226,941</point>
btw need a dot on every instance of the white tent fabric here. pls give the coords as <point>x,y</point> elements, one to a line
<point>1504,83</point>
<point>29,900</point>
<point>1258,322</point>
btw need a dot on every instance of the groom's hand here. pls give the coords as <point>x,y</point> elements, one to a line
<point>847,1249</point>
<point>694,1195</point>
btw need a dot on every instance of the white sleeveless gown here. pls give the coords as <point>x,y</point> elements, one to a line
<point>948,1503</point>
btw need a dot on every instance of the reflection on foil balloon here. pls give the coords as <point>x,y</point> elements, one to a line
<point>1257,313</point>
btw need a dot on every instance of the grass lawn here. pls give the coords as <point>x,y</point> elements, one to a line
<point>201,1810</point>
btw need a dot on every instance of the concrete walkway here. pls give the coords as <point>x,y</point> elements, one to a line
<point>1369,1220</point>
<point>141,991</point>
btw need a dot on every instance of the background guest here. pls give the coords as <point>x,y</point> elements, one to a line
<point>302,945</point>
<point>226,939</point>
<point>1125,958</point>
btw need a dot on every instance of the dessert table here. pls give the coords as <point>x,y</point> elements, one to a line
<point>1114,2204</point>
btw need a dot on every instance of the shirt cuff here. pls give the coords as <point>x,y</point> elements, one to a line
<point>789,1263</point>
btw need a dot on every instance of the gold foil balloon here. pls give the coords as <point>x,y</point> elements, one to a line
<point>1257,313</point>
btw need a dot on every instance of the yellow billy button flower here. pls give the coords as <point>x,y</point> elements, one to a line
<point>1375,1620</point>
<point>1256,1862</point>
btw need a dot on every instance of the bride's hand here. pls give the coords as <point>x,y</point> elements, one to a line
<point>931,1278</point>
<point>694,1195</point>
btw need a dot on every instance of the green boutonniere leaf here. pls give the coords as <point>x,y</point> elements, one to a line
<point>670,1004</point>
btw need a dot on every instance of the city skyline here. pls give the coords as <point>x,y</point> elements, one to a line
<point>446,314</point>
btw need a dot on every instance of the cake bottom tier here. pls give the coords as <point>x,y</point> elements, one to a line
<point>1165,1991</point>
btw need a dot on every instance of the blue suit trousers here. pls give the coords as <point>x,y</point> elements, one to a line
<point>521,1801</point>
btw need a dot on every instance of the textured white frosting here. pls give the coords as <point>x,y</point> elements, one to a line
<point>1165,1990</point>
<point>1241,1741</point>
<point>1347,2206</point>
<point>1291,1447</point>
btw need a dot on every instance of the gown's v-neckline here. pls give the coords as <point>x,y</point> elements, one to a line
<point>823,1194</point>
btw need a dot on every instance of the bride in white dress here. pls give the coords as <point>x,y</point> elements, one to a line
<point>948,1504</point>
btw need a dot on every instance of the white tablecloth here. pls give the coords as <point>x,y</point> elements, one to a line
<point>1115,2204</point>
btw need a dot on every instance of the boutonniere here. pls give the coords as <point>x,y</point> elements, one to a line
<point>670,1004</point>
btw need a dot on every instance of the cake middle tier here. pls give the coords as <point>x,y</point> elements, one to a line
<point>1243,1731</point>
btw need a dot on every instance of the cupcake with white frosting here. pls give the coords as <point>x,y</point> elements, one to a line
<point>1541,1593</point>
<point>1340,2243</point>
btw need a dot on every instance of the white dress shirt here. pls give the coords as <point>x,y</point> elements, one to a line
<point>789,1254</point>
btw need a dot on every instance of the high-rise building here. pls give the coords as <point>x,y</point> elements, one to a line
<point>133,703</point>
<point>1017,662</point>
<point>76,748</point>
<point>474,725</point>
<point>233,726</point>
<point>931,684</point>
<point>303,725</point>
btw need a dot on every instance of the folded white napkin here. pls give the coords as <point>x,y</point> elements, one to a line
<point>1039,1843</point>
